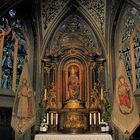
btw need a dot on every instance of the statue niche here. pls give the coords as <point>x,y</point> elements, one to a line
<point>72,92</point>
<point>73,115</point>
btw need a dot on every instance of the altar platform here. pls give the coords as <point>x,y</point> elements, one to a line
<point>95,136</point>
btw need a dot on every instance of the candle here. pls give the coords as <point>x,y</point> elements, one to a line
<point>101,93</point>
<point>45,94</point>
<point>90,118</point>
<point>56,118</point>
<point>47,118</point>
<point>99,117</point>
<point>51,118</point>
<point>94,118</point>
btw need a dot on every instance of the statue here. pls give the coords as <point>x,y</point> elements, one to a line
<point>50,97</point>
<point>95,102</point>
<point>73,84</point>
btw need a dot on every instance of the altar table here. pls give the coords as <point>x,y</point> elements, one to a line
<point>73,137</point>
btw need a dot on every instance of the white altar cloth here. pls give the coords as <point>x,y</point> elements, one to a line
<point>73,137</point>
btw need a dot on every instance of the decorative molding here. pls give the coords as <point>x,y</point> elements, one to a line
<point>97,10</point>
<point>49,10</point>
<point>73,33</point>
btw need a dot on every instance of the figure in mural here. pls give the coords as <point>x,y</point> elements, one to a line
<point>25,104</point>
<point>73,83</point>
<point>124,96</point>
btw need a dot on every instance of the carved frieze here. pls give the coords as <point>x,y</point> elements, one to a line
<point>50,10</point>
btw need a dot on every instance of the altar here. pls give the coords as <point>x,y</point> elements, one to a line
<point>74,96</point>
<point>73,137</point>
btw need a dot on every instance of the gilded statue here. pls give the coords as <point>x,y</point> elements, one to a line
<point>73,84</point>
<point>95,101</point>
<point>50,97</point>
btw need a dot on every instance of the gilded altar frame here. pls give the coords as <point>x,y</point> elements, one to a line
<point>82,51</point>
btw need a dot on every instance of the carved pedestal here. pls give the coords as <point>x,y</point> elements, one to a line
<point>73,121</point>
<point>73,118</point>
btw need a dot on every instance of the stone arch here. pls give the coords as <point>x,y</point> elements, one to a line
<point>128,22</point>
<point>83,14</point>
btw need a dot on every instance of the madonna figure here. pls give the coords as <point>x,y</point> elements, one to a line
<point>73,83</point>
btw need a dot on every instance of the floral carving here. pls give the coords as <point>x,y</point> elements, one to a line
<point>49,10</point>
<point>74,31</point>
<point>96,9</point>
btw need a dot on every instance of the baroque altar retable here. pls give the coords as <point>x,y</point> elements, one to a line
<point>73,92</point>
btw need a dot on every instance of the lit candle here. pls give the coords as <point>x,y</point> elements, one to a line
<point>99,117</point>
<point>90,118</point>
<point>94,118</point>
<point>51,118</point>
<point>47,118</point>
<point>56,118</point>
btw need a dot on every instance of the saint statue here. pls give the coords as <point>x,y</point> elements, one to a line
<point>73,83</point>
<point>95,102</point>
<point>49,97</point>
<point>124,96</point>
<point>52,99</point>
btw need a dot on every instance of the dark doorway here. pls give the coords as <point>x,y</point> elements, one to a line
<point>6,132</point>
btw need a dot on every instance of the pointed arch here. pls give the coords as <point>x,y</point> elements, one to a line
<point>84,15</point>
<point>128,22</point>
